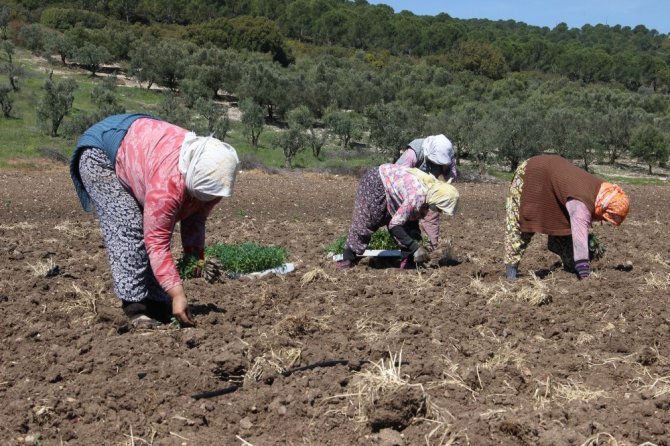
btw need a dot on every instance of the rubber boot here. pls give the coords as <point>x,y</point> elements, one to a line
<point>511,272</point>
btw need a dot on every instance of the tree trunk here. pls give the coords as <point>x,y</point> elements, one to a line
<point>613,156</point>
<point>513,165</point>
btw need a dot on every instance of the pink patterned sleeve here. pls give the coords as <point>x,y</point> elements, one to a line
<point>193,230</point>
<point>402,215</point>
<point>161,205</point>
<point>452,172</point>
<point>431,225</point>
<point>409,209</point>
<point>408,159</point>
<point>580,221</point>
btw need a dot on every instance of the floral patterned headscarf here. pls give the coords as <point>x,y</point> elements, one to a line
<point>440,194</point>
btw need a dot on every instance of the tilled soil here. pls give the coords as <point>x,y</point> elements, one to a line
<point>374,355</point>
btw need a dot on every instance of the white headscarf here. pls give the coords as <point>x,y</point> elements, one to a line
<point>438,149</point>
<point>209,167</point>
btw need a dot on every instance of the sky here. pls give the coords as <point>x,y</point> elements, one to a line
<point>654,14</point>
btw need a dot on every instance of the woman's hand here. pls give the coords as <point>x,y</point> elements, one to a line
<point>421,255</point>
<point>180,307</point>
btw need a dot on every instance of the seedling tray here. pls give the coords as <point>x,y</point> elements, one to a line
<point>387,253</point>
<point>284,269</point>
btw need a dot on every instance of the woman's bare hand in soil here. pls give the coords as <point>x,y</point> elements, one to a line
<point>180,307</point>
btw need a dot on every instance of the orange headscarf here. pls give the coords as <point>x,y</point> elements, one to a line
<point>611,204</point>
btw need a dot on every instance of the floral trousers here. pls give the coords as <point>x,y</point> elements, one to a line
<point>517,241</point>
<point>121,219</point>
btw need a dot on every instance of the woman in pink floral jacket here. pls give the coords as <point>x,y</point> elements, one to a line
<point>396,197</point>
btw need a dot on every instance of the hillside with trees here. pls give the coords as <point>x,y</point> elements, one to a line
<point>337,73</point>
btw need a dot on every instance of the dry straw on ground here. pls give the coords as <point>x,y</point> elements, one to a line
<point>533,292</point>
<point>72,229</point>
<point>503,356</point>
<point>271,363</point>
<point>22,226</point>
<point>452,378</point>
<point>317,274</point>
<point>657,258</point>
<point>133,440</point>
<point>384,377</point>
<point>83,303</point>
<point>374,331</point>
<point>569,391</point>
<point>657,282</point>
<point>42,269</point>
<point>300,324</point>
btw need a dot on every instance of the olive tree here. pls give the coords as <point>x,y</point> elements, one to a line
<point>346,125</point>
<point>300,117</point>
<point>91,57</point>
<point>291,141</point>
<point>104,98</point>
<point>263,82</point>
<point>519,132</point>
<point>6,100</point>
<point>616,129</point>
<point>59,43</point>
<point>32,36</point>
<point>460,126</point>
<point>216,117</point>
<point>172,110</point>
<point>212,69</point>
<point>253,120</point>
<point>583,137</point>
<point>56,102</point>
<point>393,125</point>
<point>5,17</point>
<point>9,65</point>
<point>650,146</point>
<point>161,62</point>
<point>560,130</point>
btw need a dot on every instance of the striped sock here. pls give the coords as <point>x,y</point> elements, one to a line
<point>582,268</point>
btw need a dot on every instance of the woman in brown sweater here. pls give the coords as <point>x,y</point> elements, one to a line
<point>552,196</point>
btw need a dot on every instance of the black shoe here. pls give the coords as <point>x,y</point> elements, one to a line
<point>132,309</point>
<point>159,310</point>
<point>147,313</point>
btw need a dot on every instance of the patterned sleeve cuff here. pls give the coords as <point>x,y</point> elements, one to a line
<point>582,268</point>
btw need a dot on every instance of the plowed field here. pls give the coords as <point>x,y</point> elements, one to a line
<point>374,355</point>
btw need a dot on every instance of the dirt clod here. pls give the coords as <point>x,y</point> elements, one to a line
<point>396,409</point>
